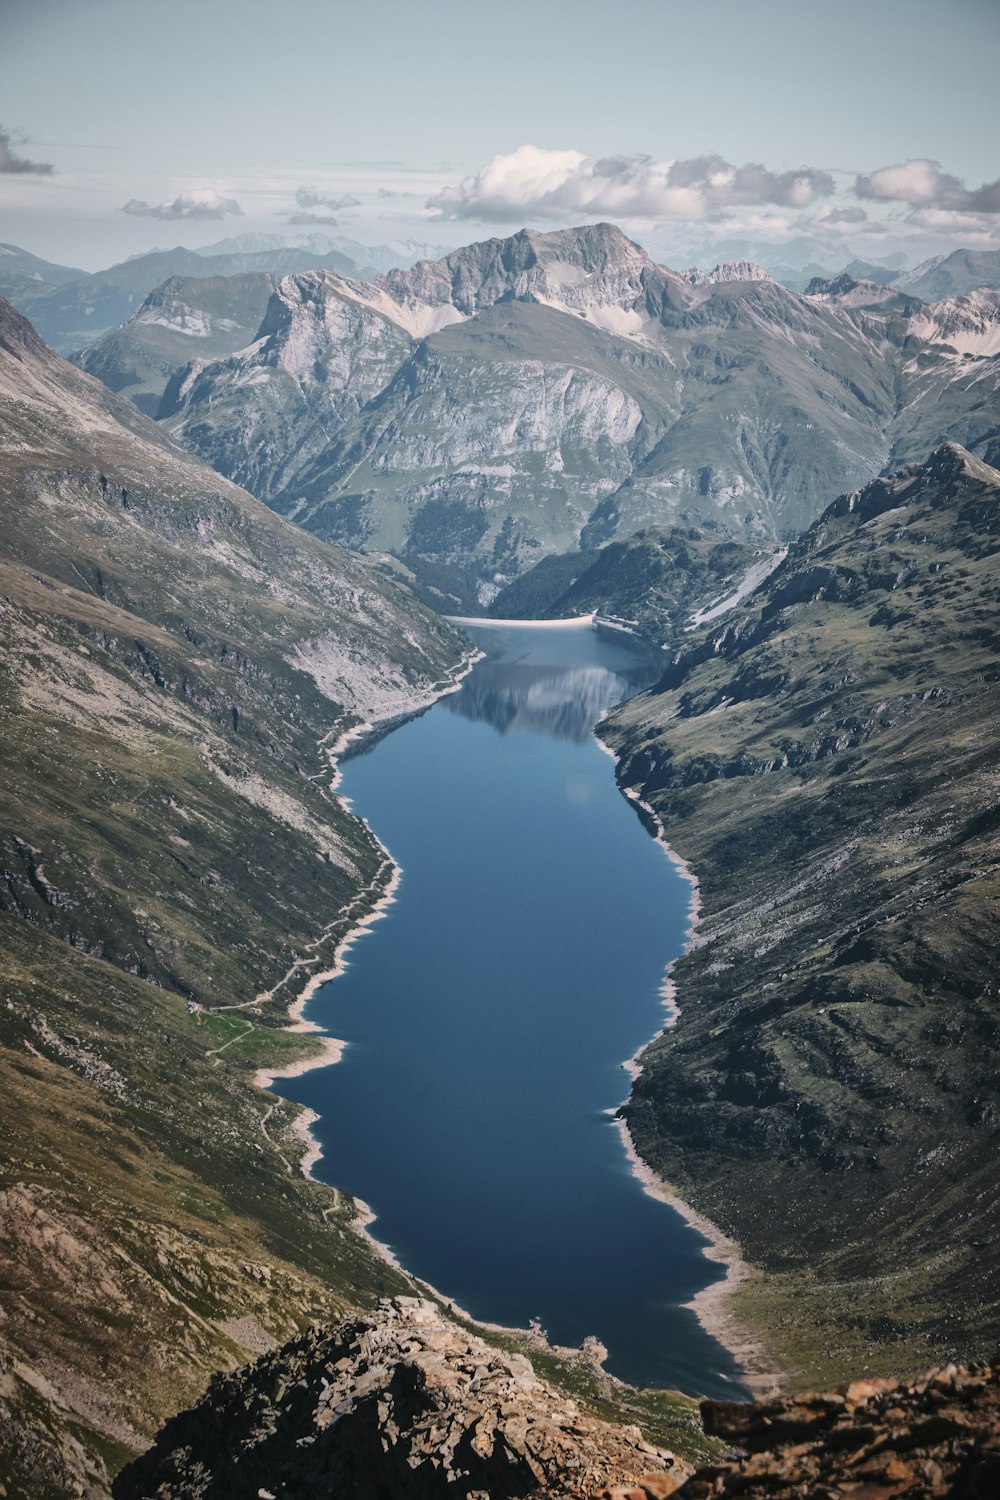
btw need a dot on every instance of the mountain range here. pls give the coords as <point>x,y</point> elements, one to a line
<point>70,312</point>
<point>526,397</point>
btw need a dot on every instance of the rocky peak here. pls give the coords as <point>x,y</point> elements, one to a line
<point>822,286</point>
<point>949,472</point>
<point>569,267</point>
<point>728,270</point>
<point>847,292</point>
<point>402,1402</point>
<point>407,1404</point>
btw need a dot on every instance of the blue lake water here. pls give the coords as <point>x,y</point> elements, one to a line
<point>487,1015</point>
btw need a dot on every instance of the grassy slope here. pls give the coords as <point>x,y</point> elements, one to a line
<point>827,762</point>
<point>161,763</point>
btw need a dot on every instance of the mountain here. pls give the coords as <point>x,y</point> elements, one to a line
<point>729,270</point>
<point>176,662</point>
<point>379,257</point>
<point>187,318</point>
<point>526,397</point>
<point>969,324</point>
<point>652,583</point>
<point>82,311</point>
<point>825,758</point>
<point>24,278</point>
<point>844,291</point>
<point>952,275</point>
<point>866,270</point>
<point>397,253</point>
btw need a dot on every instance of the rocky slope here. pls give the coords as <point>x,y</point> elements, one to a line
<point>522,398</point>
<point>173,660</point>
<point>185,319</point>
<point>952,275</point>
<point>405,1404</point>
<point>825,757</point>
<point>400,1403</point>
<point>936,1436</point>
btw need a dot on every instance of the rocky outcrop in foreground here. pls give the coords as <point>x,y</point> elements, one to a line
<point>399,1403</point>
<point>871,1440</point>
<point>404,1403</point>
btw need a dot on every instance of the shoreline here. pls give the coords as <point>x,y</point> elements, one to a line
<point>759,1373</point>
<point>332,1048</point>
<point>712,1305</point>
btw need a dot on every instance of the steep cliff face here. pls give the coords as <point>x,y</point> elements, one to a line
<point>318,357</point>
<point>554,390</point>
<point>825,758</point>
<point>174,658</point>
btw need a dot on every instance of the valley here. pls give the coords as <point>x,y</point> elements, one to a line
<point>783,502</point>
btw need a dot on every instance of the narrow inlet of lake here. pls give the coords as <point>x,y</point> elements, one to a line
<point>488,1014</point>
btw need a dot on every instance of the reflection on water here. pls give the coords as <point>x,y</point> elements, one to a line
<point>517,689</point>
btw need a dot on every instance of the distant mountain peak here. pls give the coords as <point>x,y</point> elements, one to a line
<point>727,270</point>
<point>594,271</point>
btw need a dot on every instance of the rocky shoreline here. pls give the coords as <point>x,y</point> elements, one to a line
<point>712,1306</point>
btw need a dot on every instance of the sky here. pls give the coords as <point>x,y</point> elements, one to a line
<point>807,130</point>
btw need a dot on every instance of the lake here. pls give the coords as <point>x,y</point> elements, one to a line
<point>488,1014</point>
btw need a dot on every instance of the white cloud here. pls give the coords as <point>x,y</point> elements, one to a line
<point>844,221</point>
<point>922,184</point>
<point>196,203</point>
<point>535,182</point>
<point>11,163</point>
<point>309,198</point>
<point>953,221</point>
<point>312,219</point>
<point>847,215</point>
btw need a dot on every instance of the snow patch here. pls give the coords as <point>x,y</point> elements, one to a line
<point>751,579</point>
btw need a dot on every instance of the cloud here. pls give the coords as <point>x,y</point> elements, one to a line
<point>922,184</point>
<point>10,162</point>
<point>842,216</point>
<point>312,219</point>
<point>955,221</point>
<point>309,198</point>
<point>534,182</point>
<point>844,221</point>
<point>196,203</point>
